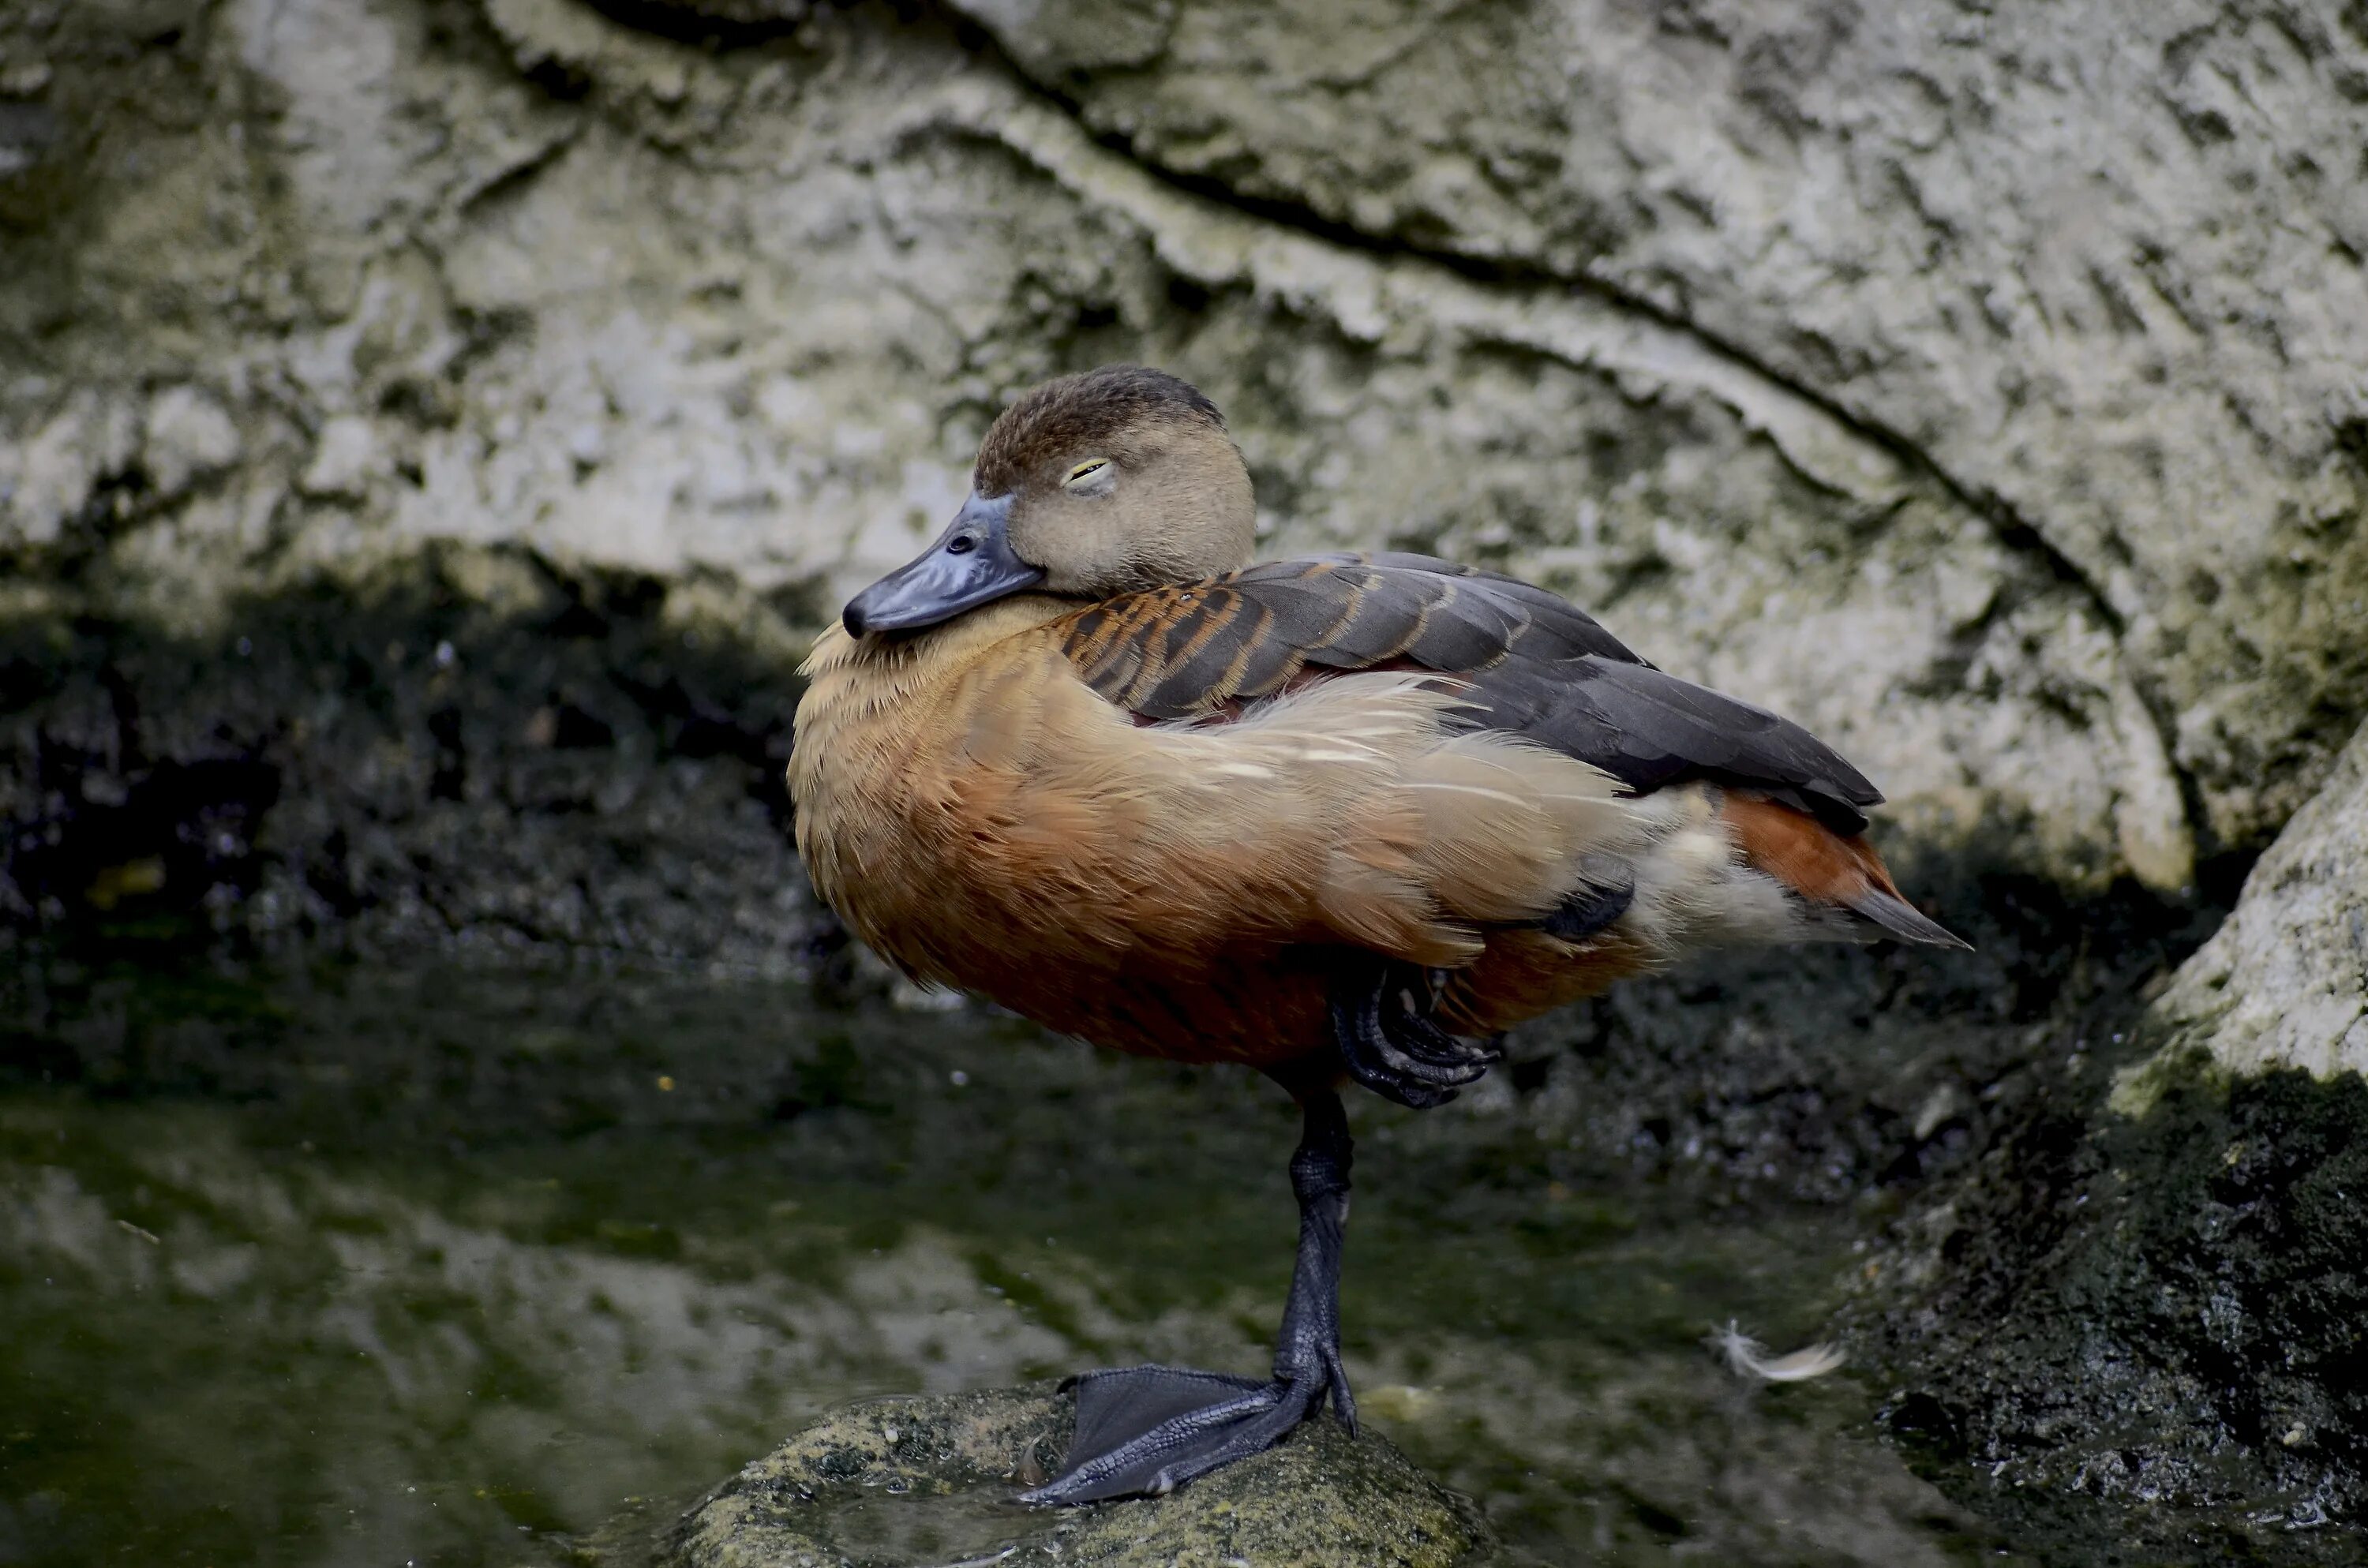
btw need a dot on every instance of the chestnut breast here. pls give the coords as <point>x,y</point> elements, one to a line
<point>982,817</point>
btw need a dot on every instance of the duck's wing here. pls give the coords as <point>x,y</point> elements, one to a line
<point>1528,662</point>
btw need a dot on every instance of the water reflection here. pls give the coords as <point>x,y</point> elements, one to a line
<point>443,1266</point>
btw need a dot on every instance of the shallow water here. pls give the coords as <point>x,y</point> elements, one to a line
<point>449,1265</point>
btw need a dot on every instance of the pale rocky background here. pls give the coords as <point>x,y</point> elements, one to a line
<point>2284,982</point>
<point>1986,386</point>
<point>516,384</point>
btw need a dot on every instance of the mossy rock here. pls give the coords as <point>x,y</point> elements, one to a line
<point>898,1482</point>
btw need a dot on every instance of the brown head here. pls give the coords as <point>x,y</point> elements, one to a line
<point>1102,483</point>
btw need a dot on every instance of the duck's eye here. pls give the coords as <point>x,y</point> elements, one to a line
<point>1085,471</point>
<point>960,544</point>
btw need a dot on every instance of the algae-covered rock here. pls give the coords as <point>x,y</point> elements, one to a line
<point>2167,1310</point>
<point>903,1483</point>
<point>463,747</point>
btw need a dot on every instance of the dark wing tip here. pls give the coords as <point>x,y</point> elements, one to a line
<point>1662,727</point>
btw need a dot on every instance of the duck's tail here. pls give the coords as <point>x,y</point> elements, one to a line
<point>1837,871</point>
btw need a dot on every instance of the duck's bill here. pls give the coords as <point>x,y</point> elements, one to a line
<point>969,564</point>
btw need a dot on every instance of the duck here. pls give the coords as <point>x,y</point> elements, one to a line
<point>1342,819</point>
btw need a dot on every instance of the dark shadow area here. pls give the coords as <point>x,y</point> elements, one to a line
<point>2144,1340</point>
<point>470,747</point>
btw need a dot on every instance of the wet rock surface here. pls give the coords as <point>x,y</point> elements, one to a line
<point>2155,1322</point>
<point>912,1482</point>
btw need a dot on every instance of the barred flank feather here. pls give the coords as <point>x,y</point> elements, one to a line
<point>1530,663</point>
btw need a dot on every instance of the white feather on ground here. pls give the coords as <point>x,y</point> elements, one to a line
<point>1746,1358</point>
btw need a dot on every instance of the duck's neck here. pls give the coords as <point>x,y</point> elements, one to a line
<point>884,669</point>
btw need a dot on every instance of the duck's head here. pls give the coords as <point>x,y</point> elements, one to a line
<point>1095,484</point>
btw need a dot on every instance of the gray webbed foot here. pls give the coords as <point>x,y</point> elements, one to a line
<point>1147,1430</point>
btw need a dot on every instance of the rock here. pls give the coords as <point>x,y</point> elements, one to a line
<point>53,478</point>
<point>466,748</point>
<point>346,458</point>
<point>570,282</point>
<point>28,132</point>
<point>948,1466</point>
<point>2284,983</point>
<point>2164,1311</point>
<point>734,19</point>
<point>188,436</point>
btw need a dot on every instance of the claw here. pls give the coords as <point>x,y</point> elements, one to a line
<point>1344,1404</point>
<point>1389,1044</point>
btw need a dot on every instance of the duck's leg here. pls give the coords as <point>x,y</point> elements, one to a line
<point>1150,1429</point>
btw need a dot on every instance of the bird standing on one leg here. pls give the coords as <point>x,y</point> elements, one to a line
<point>1345,816</point>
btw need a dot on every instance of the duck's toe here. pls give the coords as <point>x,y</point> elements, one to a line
<point>1381,1026</point>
